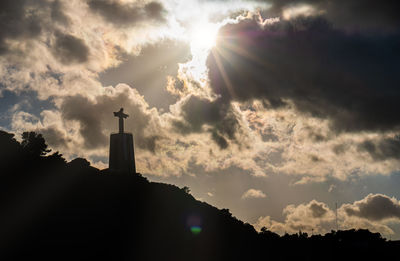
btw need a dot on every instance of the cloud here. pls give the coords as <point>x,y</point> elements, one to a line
<point>94,116</point>
<point>253,193</point>
<point>40,34</point>
<point>24,20</point>
<point>150,70</point>
<point>128,14</point>
<point>308,64</point>
<point>381,149</point>
<point>201,114</point>
<point>57,13</point>
<point>55,137</point>
<point>69,65</point>
<point>17,22</point>
<point>373,213</point>
<point>332,188</point>
<point>295,11</point>
<point>69,49</point>
<point>318,210</point>
<point>370,14</point>
<point>374,207</point>
<point>314,216</point>
<point>349,15</point>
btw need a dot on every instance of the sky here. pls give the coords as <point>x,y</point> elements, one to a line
<point>284,112</point>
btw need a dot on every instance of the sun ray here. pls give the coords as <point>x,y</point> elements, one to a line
<point>201,35</point>
<point>225,77</point>
<point>246,54</point>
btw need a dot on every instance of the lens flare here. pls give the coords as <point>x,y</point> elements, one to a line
<point>195,230</point>
<point>194,224</point>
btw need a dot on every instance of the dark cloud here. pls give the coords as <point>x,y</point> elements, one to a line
<point>57,13</point>
<point>23,19</point>
<point>318,209</point>
<point>16,22</point>
<point>350,14</point>
<point>200,114</point>
<point>350,79</point>
<point>315,158</point>
<point>155,10</point>
<point>69,49</point>
<point>198,111</point>
<point>340,148</point>
<point>80,109</point>
<point>370,14</point>
<point>54,137</point>
<point>96,119</point>
<point>127,14</point>
<point>148,71</point>
<point>219,139</point>
<point>382,149</point>
<point>374,207</point>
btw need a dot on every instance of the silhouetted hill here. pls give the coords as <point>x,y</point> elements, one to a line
<point>54,210</point>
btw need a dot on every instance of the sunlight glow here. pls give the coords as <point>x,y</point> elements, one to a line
<point>298,10</point>
<point>203,35</point>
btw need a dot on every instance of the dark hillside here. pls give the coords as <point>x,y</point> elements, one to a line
<point>54,210</point>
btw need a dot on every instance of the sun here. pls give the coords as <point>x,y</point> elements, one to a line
<point>203,36</point>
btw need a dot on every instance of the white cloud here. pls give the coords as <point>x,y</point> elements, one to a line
<point>253,193</point>
<point>294,11</point>
<point>317,217</point>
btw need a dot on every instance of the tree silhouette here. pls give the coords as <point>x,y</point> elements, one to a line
<point>186,189</point>
<point>34,144</point>
<point>10,147</point>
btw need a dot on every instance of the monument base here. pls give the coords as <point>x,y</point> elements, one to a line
<point>122,156</point>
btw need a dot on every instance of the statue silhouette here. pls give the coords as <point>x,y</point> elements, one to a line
<point>122,156</point>
<point>121,115</point>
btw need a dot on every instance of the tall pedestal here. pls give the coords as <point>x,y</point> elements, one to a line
<point>122,156</point>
